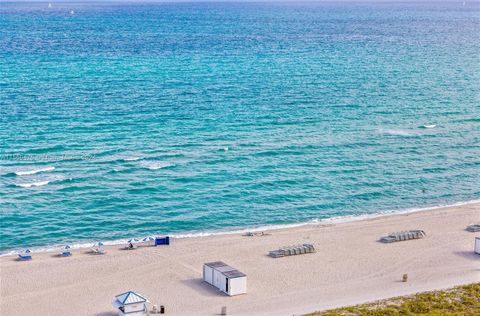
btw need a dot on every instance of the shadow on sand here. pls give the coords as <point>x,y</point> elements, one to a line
<point>202,287</point>
<point>467,254</point>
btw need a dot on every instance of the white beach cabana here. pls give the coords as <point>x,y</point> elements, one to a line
<point>130,304</point>
<point>225,278</point>
<point>477,245</point>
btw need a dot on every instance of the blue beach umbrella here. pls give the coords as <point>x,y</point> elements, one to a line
<point>27,251</point>
<point>133,240</point>
<point>98,244</point>
<point>67,247</point>
<point>149,238</point>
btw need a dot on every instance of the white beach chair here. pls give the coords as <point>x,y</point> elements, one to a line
<point>98,251</point>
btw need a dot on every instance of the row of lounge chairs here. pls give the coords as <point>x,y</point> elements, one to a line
<point>473,228</point>
<point>292,251</point>
<point>417,234</point>
<point>403,235</point>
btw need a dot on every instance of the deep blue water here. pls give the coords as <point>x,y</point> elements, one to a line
<point>121,120</point>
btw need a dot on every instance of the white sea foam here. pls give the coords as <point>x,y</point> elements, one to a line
<point>34,171</point>
<point>326,221</point>
<point>396,132</point>
<point>41,181</point>
<point>158,165</point>
<point>132,158</point>
<point>33,184</point>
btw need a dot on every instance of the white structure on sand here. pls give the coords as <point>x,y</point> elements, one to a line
<point>131,304</point>
<point>227,279</point>
<point>477,245</point>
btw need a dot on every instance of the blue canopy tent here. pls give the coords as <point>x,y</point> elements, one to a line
<point>162,241</point>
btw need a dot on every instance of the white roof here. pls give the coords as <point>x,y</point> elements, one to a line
<point>225,269</point>
<point>130,298</point>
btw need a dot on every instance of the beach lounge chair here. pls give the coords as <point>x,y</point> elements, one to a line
<point>97,248</point>
<point>403,235</point>
<point>98,251</point>
<point>473,228</point>
<point>277,254</point>
<point>24,257</point>
<point>66,251</point>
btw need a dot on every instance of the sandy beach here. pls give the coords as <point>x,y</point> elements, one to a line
<point>349,267</point>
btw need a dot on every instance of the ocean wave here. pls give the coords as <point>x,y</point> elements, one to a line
<point>473,120</point>
<point>132,158</point>
<point>157,165</point>
<point>43,181</point>
<point>396,132</point>
<point>325,221</point>
<point>34,171</point>
<point>33,184</point>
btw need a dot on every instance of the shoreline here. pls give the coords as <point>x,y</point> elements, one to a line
<point>349,267</point>
<point>273,227</point>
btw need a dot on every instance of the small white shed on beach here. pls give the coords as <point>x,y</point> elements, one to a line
<point>477,245</point>
<point>130,304</point>
<point>225,278</point>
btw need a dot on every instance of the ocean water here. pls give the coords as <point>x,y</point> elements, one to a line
<point>124,120</point>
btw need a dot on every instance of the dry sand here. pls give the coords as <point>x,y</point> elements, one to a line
<point>349,267</point>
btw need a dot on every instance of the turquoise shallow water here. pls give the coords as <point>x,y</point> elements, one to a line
<point>123,120</point>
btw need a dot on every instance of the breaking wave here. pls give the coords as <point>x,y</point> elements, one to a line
<point>33,184</point>
<point>34,171</point>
